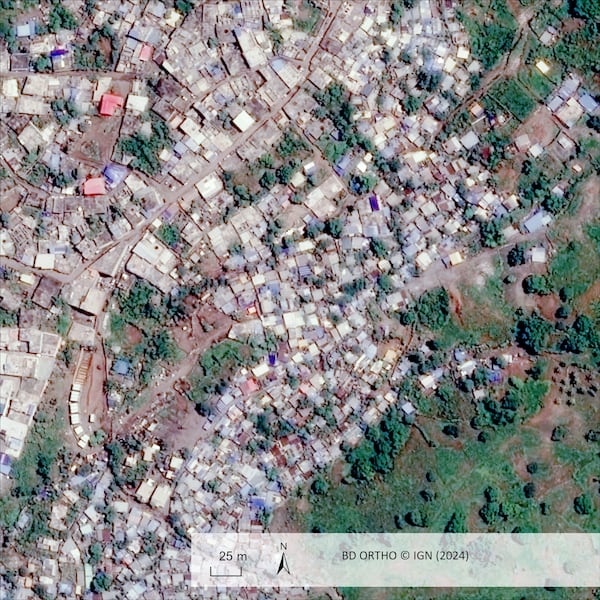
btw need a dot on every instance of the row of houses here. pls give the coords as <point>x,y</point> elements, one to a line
<point>27,359</point>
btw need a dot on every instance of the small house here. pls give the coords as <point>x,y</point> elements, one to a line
<point>109,104</point>
<point>95,186</point>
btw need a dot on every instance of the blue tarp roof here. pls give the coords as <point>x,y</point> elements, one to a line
<point>121,367</point>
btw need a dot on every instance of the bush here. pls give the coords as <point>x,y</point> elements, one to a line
<point>533,468</point>
<point>417,518</point>
<point>516,255</point>
<point>559,433</point>
<point>451,430</point>
<point>583,505</point>
<point>529,490</point>
<point>537,284</point>
<point>457,523</point>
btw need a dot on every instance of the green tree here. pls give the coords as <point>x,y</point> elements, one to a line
<point>267,180</point>
<point>60,18</point>
<point>378,248</point>
<point>95,553</point>
<point>42,64</point>
<point>334,227</point>
<point>284,174</point>
<point>529,490</point>
<point>101,582</point>
<point>490,513</point>
<point>585,9</point>
<point>319,486</point>
<point>433,308</point>
<point>531,333</point>
<point>516,255</point>
<point>411,104</point>
<point>457,523</point>
<point>491,233</point>
<point>396,12</point>
<point>169,234</point>
<point>583,505</point>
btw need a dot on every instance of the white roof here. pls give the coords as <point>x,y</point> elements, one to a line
<point>137,103</point>
<point>45,261</point>
<point>210,186</point>
<point>469,140</point>
<point>243,121</point>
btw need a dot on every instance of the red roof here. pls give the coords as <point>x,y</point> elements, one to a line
<point>146,52</point>
<point>94,187</point>
<point>249,386</point>
<point>109,103</point>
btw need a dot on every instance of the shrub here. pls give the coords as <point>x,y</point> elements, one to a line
<point>537,284</point>
<point>583,505</point>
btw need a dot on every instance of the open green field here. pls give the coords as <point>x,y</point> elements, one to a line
<point>513,97</point>
<point>452,477</point>
<point>485,314</point>
<point>576,265</point>
<point>465,594</point>
<point>539,85</point>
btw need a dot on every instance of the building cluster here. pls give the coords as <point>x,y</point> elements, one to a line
<point>309,265</point>
<point>27,359</point>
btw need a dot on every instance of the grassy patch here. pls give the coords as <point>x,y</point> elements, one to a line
<point>452,477</point>
<point>218,364</point>
<point>308,17</point>
<point>539,85</point>
<point>485,315</point>
<point>487,310</point>
<point>576,265</point>
<point>449,478</point>
<point>513,97</point>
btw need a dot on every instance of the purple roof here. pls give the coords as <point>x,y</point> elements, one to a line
<point>115,174</point>
<point>374,203</point>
